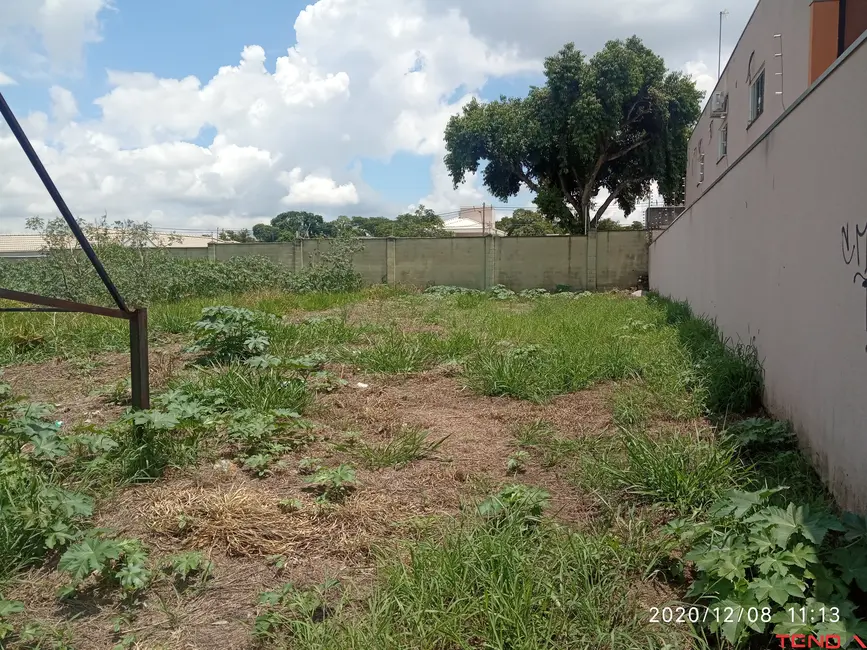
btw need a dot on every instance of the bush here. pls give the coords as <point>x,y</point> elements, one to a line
<point>145,271</point>
<point>227,333</point>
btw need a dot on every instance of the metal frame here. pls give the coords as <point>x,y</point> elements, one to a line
<point>137,318</point>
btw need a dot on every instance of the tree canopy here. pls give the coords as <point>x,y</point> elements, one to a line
<point>528,223</point>
<point>616,121</point>
<point>422,222</point>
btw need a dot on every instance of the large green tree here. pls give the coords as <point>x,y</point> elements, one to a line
<point>294,224</point>
<point>528,223</point>
<point>616,121</point>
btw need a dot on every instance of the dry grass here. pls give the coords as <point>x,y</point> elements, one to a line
<point>243,521</point>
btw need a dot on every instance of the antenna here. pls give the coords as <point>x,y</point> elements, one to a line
<point>722,14</point>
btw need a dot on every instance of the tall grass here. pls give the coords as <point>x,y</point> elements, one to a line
<point>502,587</point>
<point>686,473</point>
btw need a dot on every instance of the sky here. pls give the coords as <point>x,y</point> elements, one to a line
<point>207,114</point>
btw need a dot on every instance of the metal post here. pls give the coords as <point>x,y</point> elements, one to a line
<point>138,359</point>
<point>722,14</point>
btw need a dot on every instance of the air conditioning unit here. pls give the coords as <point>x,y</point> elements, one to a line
<point>719,104</point>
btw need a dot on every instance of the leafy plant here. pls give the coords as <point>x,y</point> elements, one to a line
<point>334,483</point>
<point>7,609</point>
<point>759,433</point>
<point>523,503</point>
<point>516,462</point>
<point>261,438</point>
<point>289,610</point>
<point>226,333</point>
<point>188,565</point>
<point>290,505</point>
<point>116,561</point>
<point>753,556</point>
<point>307,466</point>
<point>38,514</point>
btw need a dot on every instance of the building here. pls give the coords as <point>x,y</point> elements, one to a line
<point>658,217</point>
<point>772,243</point>
<point>785,47</point>
<point>473,221</point>
<point>29,245</point>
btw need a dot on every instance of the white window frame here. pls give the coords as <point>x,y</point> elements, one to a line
<point>757,101</point>
<point>723,146</point>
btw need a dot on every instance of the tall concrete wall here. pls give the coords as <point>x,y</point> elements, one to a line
<point>608,260</point>
<point>776,252</point>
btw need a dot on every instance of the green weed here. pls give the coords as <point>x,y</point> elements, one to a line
<point>404,446</point>
<point>686,473</point>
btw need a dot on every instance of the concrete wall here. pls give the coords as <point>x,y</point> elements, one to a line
<point>608,260</point>
<point>756,50</point>
<point>776,252</point>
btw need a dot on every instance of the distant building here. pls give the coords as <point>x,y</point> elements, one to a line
<point>473,221</point>
<point>28,245</point>
<point>659,217</point>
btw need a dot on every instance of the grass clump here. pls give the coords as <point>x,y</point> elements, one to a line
<point>683,472</point>
<point>404,446</point>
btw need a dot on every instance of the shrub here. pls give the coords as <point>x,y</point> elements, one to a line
<point>226,333</point>
<point>766,563</point>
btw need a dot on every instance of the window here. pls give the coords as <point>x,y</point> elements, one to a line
<point>757,97</point>
<point>723,141</point>
<point>700,163</point>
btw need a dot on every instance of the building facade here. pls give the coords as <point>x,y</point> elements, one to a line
<point>785,47</point>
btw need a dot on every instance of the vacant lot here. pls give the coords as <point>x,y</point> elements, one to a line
<point>393,470</point>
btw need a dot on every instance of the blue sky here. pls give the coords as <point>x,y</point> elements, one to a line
<point>351,123</point>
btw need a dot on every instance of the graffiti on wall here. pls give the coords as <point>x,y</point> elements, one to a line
<point>855,257</point>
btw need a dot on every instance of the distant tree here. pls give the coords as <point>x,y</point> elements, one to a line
<point>610,224</point>
<point>374,226</point>
<point>294,224</point>
<point>264,232</point>
<point>617,121</point>
<point>423,222</point>
<point>528,223</point>
<point>242,236</point>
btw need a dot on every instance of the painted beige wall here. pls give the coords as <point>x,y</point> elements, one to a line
<point>609,260</point>
<point>765,253</point>
<point>791,19</point>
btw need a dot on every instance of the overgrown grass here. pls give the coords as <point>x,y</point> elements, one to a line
<point>684,472</point>
<point>242,387</point>
<point>486,586</point>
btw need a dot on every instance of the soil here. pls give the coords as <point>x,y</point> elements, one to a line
<point>83,390</point>
<point>238,522</point>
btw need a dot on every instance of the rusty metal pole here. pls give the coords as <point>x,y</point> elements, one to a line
<point>138,359</point>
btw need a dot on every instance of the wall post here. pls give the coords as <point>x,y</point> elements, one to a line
<point>298,255</point>
<point>391,261</point>
<point>212,251</point>
<point>592,245</point>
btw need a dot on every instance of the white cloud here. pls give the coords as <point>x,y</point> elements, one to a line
<point>6,80</point>
<point>366,78</point>
<point>49,33</point>
<point>63,105</point>
<point>316,190</point>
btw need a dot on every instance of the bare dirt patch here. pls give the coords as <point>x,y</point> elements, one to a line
<point>81,389</point>
<point>479,434</point>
